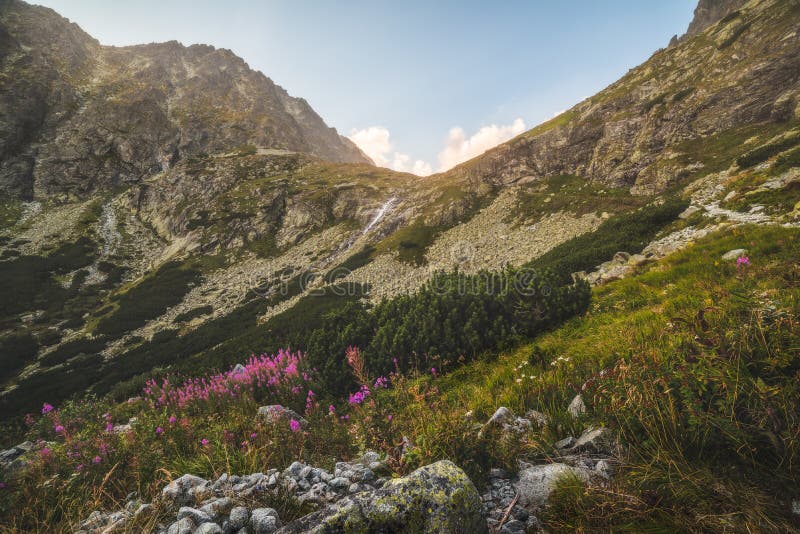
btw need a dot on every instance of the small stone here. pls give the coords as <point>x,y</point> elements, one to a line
<point>565,443</point>
<point>183,526</point>
<point>577,407</point>
<point>339,483</point>
<point>184,490</point>
<point>198,516</point>
<point>596,440</point>
<point>603,468</point>
<point>238,518</point>
<point>264,521</point>
<point>537,417</point>
<point>209,528</point>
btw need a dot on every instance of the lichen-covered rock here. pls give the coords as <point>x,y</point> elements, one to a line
<point>437,498</point>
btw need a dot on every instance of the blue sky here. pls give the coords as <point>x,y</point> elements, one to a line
<point>412,71</point>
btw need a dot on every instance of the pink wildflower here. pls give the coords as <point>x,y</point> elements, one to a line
<point>109,427</point>
<point>742,261</point>
<point>159,430</point>
<point>172,419</point>
<point>294,425</point>
<point>59,429</point>
<point>47,408</point>
<point>204,442</point>
<point>96,460</point>
<point>253,435</point>
<point>332,409</point>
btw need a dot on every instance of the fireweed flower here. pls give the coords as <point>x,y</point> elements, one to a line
<point>359,396</point>
<point>381,382</point>
<point>47,408</point>
<point>294,425</point>
<point>109,427</point>
<point>742,261</point>
<point>59,429</point>
<point>172,419</point>
<point>159,430</point>
<point>204,442</point>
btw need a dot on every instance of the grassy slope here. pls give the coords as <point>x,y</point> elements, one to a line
<point>705,405</point>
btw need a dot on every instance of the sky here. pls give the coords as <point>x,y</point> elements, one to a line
<point>419,85</point>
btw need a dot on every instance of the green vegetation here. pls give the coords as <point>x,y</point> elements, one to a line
<point>10,211</point>
<point>27,282</point>
<point>572,194</point>
<point>766,151</point>
<point>628,232</point>
<point>16,351</point>
<point>73,348</point>
<point>692,362</point>
<point>148,299</point>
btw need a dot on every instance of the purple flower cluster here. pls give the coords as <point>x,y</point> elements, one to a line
<point>259,372</point>
<point>359,396</point>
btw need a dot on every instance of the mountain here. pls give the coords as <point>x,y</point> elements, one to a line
<point>736,71</point>
<point>596,321</point>
<point>78,116</point>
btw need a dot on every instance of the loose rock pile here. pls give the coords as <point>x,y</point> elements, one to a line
<point>358,495</point>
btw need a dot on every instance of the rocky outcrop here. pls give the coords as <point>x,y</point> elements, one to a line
<point>709,12</point>
<point>76,116</point>
<point>435,498</point>
<point>438,498</point>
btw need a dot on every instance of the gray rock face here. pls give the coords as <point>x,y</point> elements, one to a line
<point>709,12</point>
<point>435,498</point>
<point>81,116</point>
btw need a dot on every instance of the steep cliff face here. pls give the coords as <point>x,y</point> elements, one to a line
<point>76,116</point>
<point>709,12</point>
<point>652,128</point>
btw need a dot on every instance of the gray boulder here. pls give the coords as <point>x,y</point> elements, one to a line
<point>577,407</point>
<point>437,498</point>
<point>733,254</point>
<point>535,483</point>
<point>595,440</point>
<point>264,521</point>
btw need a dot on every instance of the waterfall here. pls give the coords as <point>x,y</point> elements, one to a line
<point>378,216</point>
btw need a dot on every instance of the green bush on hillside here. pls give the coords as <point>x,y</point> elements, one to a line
<point>629,232</point>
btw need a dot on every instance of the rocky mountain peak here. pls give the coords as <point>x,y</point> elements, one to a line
<point>709,12</point>
<point>81,116</point>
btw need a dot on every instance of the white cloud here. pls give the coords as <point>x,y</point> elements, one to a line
<point>376,143</point>
<point>458,148</point>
